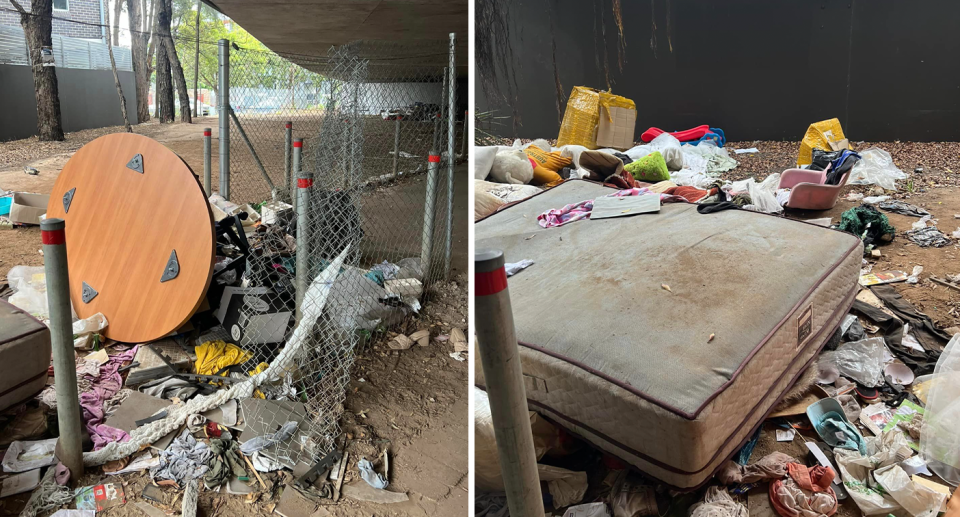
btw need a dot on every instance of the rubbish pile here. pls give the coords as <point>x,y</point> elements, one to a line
<point>222,403</point>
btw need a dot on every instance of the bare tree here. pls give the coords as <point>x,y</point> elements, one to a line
<point>37,27</point>
<point>175,68</point>
<point>142,18</point>
<point>117,9</point>
<point>116,78</point>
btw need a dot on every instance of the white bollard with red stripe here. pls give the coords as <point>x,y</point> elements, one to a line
<point>304,187</point>
<point>429,216</point>
<point>500,357</point>
<point>54,241</point>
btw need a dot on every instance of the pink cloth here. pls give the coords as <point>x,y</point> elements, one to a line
<point>576,211</point>
<point>91,402</point>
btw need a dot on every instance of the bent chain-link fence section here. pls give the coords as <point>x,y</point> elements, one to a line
<point>368,117</point>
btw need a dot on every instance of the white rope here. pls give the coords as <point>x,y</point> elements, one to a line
<point>312,306</point>
<point>50,495</point>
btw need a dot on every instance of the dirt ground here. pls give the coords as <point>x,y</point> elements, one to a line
<point>411,403</point>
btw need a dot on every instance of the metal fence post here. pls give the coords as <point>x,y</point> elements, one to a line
<point>463,147</point>
<point>297,152</point>
<point>61,337</point>
<point>438,126</point>
<point>451,119</point>
<point>304,187</point>
<point>223,114</point>
<point>206,161</point>
<point>429,213</point>
<point>500,357</point>
<point>287,143</point>
<point>396,146</point>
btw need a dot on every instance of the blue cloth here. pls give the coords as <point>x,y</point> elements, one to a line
<point>838,432</point>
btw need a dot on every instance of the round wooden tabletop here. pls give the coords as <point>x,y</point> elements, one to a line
<point>139,235</point>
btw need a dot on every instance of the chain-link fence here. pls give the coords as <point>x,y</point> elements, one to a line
<point>368,200</point>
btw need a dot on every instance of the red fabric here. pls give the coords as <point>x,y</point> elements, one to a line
<point>816,479</point>
<point>623,181</point>
<point>684,136</point>
<point>691,194</point>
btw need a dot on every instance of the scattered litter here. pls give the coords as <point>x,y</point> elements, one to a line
<point>928,236</point>
<point>400,342</point>
<point>366,493</point>
<point>142,462</point>
<point>823,221</point>
<point>915,465</point>
<point>805,492</point>
<point>100,497</point>
<point>718,503</point>
<point>903,208</point>
<point>24,456</point>
<point>370,476</point>
<point>19,483</point>
<point>874,200</point>
<point>184,459</point>
<point>885,277</point>
<point>751,150</point>
<point>914,277</point>
<point>516,267</point>
<point>922,223</point>
<point>854,196</point>
<point>710,338</point>
<point>786,435</point>
<point>857,469</point>
<point>861,361</point>
<point>665,287</point>
<point>76,513</point>
<point>421,337</point>
<point>868,223</point>
<point>876,168</point>
<point>588,510</point>
<point>831,424</point>
<point>459,340</point>
<point>258,443</point>
<point>771,466</point>
<point>458,356</point>
<point>86,331</point>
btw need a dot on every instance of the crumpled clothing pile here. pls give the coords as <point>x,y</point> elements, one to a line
<point>104,387</point>
<point>183,460</point>
<point>805,493</point>
<point>226,462</point>
<point>214,356</point>
<point>771,466</point>
<point>718,503</point>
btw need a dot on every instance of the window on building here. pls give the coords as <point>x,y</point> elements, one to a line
<point>61,5</point>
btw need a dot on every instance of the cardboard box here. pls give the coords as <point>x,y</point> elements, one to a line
<point>616,131</point>
<point>276,212</point>
<point>27,208</point>
<point>253,315</point>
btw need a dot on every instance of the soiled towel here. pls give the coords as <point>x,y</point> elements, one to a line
<point>771,466</point>
<point>805,493</point>
<point>214,356</point>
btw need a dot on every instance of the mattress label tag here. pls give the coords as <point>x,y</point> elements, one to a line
<point>804,326</point>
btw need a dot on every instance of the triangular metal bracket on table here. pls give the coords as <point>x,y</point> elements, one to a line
<point>88,293</point>
<point>172,269</point>
<point>67,199</point>
<point>136,163</point>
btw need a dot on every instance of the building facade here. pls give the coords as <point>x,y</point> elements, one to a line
<point>73,18</point>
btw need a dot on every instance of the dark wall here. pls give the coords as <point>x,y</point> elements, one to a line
<point>758,69</point>
<point>88,99</point>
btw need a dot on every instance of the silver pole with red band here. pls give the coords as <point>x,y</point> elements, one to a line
<point>429,216</point>
<point>287,150</point>
<point>207,161</point>
<point>451,125</point>
<point>295,173</point>
<point>304,187</point>
<point>500,357</point>
<point>61,339</point>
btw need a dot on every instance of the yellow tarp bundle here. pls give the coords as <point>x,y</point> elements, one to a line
<point>819,135</point>
<point>214,356</point>
<point>582,117</point>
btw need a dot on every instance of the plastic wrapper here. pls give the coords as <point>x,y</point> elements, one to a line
<point>588,510</point>
<point>24,456</point>
<point>861,361</point>
<point>915,498</point>
<point>876,168</point>
<point>31,286</point>
<point>940,435</point>
<point>857,471</point>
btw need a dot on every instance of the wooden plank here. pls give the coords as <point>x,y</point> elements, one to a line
<point>121,228</point>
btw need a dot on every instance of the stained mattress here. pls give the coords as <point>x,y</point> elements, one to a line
<point>615,316</point>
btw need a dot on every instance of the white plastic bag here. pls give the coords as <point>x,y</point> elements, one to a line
<point>940,434</point>
<point>588,510</point>
<point>857,471</point>
<point>861,361</point>
<point>915,498</point>
<point>876,168</point>
<point>31,286</point>
<point>24,456</point>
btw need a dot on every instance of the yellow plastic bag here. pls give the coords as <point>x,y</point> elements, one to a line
<point>582,117</point>
<point>819,135</point>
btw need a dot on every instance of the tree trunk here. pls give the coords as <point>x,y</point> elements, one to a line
<point>116,78</point>
<point>37,28</point>
<point>117,9</point>
<point>175,67</point>
<point>141,59</point>
<point>165,103</point>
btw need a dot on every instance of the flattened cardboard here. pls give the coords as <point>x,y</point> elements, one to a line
<point>618,132</point>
